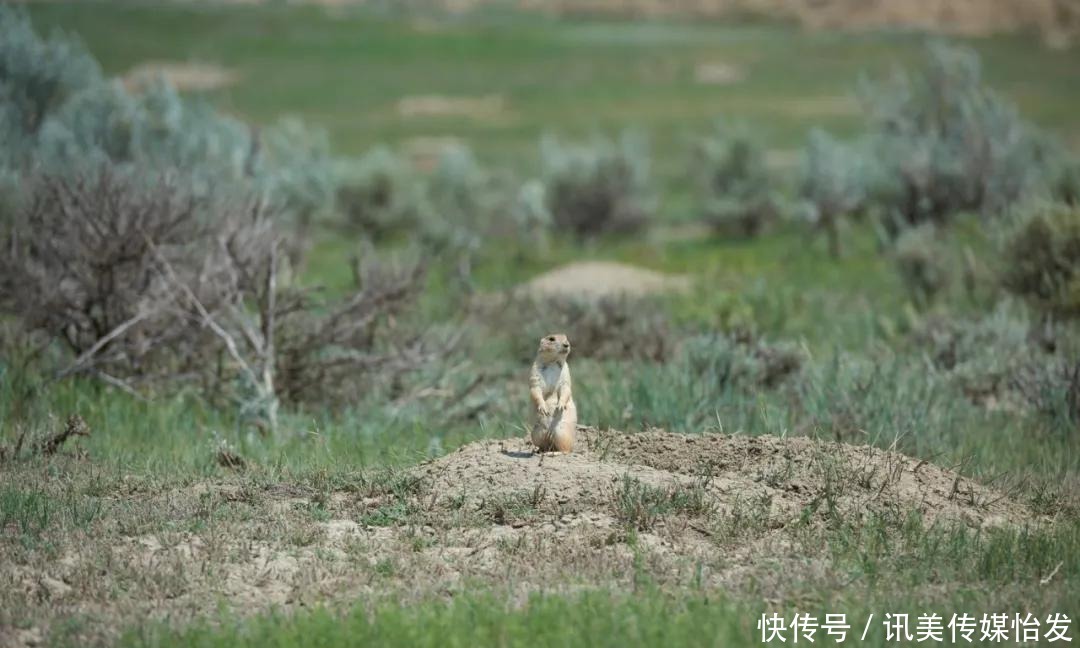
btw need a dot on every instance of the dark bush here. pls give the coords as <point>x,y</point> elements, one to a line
<point>80,264</point>
<point>381,195</point>
<point>145,281</point>
<point>735,191</point>
<point>599,188</point>
<point>1041,260</point>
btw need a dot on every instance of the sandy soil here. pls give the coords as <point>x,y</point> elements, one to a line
<point>491,514</point>
<point>603,279</point>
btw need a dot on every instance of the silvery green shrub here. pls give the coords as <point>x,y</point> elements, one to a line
<point>38,75</point>
<point>464,199</point>
<point>949,143</point>
<point>58,113</point>
<point>380,194</point>
<point>1003,361</point>
<point>833,182</point>
<point>735,193</point>
<point>297,169</point>
<point>597,188</point>
<point>725,361</point>
<point>532,217</point>
<point>923,262</point>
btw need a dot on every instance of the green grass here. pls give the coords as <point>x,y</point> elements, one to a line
<point>640,505</point>
<point>902,567</point>
<point>32,513</point>
<point>596,619</point>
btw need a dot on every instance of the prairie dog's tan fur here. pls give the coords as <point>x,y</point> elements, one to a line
<point>554,412</point>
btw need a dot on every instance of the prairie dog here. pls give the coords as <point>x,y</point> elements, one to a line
<point>554,412</point>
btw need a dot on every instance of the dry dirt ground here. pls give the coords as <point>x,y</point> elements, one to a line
<point>728,513</point>
<point>603,279</point>
<point>185,77</point>
<point>484,107</point>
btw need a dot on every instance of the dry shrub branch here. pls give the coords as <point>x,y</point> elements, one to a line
<point>145,281</point>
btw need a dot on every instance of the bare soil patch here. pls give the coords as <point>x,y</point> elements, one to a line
<point>603,279</point>
<point>718,73</point>
<point>783,159</point>
<point>484,107</point>
<point>424,152</point>
<point>186,77</point>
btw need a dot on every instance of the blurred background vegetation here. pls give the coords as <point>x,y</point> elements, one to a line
<point>858,215</point>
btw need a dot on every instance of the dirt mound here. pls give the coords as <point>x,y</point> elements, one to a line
<point>731,514</point>
<point>799,477</point>
<point>603,279</point>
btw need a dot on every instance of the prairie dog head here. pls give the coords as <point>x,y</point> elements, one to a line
<point>554,346</point>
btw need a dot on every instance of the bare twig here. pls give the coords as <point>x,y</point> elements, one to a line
<point>204,314</point>
<point>1046,579</point>
<point>119,384</point>
<point>88,355</point>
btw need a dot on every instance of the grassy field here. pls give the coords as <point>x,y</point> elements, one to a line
<point>347,70</point>
<point>332,532</point>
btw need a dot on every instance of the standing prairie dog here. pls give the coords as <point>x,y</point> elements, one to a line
<point>555,415</point>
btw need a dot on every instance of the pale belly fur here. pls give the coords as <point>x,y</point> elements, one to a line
<point>556,431</point>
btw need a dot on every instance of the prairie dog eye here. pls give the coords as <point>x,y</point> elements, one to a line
<point>551,338</point>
